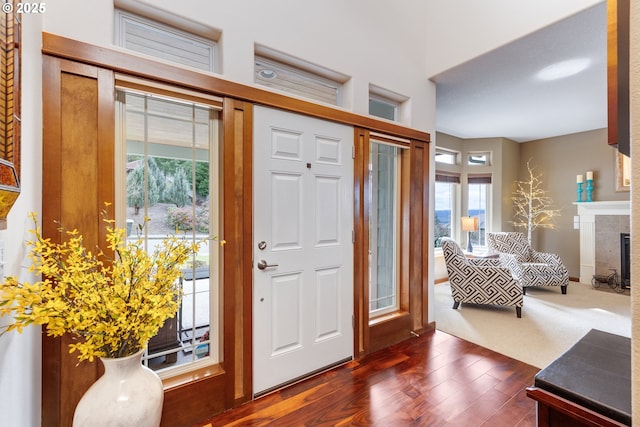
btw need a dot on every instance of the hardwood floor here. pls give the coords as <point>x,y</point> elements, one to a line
<point>432,380</point>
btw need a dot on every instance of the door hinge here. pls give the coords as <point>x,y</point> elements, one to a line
<point>353,151</point>
<point>353,236</point>
<point>353,321</point>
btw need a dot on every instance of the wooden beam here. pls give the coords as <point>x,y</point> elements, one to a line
<point>149,69</point>
<point>618,74</point>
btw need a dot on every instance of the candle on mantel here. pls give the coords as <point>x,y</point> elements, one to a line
<point>589,175</point>
<point>579,179</point>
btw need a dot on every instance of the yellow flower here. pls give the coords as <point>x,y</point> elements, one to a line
<point>113,305</point>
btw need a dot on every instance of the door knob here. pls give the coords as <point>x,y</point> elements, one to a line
<point>262,264</point>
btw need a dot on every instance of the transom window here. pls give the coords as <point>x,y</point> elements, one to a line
<point>479,159</point>
<point>386,104</point>
<point>299,78</point>
<point>157,39</point>
<point>446,157</point>
<point>170,175</point>
<point>383,108</point>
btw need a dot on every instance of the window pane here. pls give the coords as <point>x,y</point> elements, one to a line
<point>382,108</point>
<point>444,213</point>
<point>446,157</point>
<point>478,208</point>
<point>383,228</point>
<point>169,180</point>
<point>478,159</point>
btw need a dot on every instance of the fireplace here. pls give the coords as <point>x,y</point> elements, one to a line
<point>588,211</point>
<point>625,260</point>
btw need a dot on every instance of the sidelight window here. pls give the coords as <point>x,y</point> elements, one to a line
<point>169,173</point>
<point>384,227</point>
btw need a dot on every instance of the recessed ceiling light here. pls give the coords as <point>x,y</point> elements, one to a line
<point>563,69</point>
<point>265,73</point>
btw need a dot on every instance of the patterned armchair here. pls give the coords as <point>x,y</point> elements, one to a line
<point>480,280</point>
<point>531,267</point>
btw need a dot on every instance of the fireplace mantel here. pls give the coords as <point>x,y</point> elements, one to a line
<point>587,212</point>
<point>613,207</point>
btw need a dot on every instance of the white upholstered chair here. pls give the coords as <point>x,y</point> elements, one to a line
<point>532,268</point>
<point>480,280</point>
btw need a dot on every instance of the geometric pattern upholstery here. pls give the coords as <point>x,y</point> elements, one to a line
<point>532,268</point>
<point>480,280</point>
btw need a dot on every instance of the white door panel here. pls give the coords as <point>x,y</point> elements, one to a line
<point>285,313</point>
<point>286,211</point>
<point>303,212</point>
<point>328,211</point>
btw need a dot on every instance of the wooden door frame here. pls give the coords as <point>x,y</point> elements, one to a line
<point>412,316</point>
<point>74,161</point>
<point>193,397</point>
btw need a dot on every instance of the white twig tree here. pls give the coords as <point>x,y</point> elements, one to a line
<point>533,207</point>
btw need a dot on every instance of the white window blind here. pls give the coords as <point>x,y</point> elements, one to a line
<point>296,81</point>
<point>156,39</point>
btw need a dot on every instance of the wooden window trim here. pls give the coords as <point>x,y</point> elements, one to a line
<point>127,63</point>
<point>67,84</point>
<point>140,88</point>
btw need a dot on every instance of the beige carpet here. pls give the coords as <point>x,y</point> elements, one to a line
<point>551,322</point>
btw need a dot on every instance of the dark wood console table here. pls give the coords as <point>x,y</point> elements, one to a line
<point>589,385</point>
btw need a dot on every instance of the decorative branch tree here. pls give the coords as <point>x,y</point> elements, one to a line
<point>533,207</point>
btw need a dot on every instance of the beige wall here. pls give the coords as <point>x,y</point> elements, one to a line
<point>510,174</point>
<point>559,160</point>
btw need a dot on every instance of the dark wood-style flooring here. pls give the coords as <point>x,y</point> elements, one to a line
<point>432,380</point>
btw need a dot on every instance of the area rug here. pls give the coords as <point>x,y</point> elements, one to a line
<point>551,322</point>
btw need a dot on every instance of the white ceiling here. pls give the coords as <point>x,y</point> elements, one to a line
<point>499,95</point>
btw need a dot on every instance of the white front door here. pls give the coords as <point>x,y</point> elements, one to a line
<point>303,222</point>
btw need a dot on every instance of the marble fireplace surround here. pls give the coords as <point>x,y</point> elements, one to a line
<point>588,212</point>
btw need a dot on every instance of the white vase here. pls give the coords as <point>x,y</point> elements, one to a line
<point>128,394</point>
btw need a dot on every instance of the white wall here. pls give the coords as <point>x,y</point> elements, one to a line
<point>371,41</point>
<point>394,45</point>
<point>20,354</point>
<point>470,28</point>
